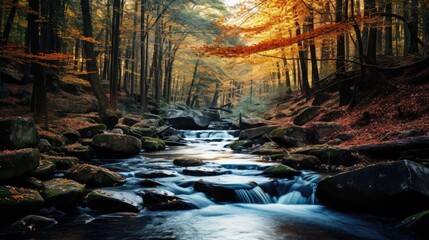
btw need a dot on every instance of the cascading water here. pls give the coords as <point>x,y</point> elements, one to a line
<point>209,135</point>
<point>254,195</point>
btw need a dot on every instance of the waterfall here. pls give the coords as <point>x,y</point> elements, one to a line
<point>295,198</point>
<point>254,195</point>
<point>209,135</point>
<point>198,199</point>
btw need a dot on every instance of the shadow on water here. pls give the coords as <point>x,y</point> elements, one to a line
<point>264,208</point>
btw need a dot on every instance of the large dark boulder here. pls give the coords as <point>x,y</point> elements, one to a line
<point>164,201</point>
<point>188,162</point>
<point>322,132</point>
<point>221,192</point>
<point>62,163</point>
<point>246,122</point>
<point>306,115</point>
<point>390,189</point>
<point>330,155</point>
<point>114,201</point>
<point>63,193</point>
<point>16,202</point>
<point>113,145</point>
<point>301,162</point>
<point>152,144</point>
<point>44,170</point>
<point>17,133</point>
<point>205,171</point>
<point>292,136</point>
<point>18,163</point>
<point>188,119</point>
<point>95,176</point>
<point>255,132</point>
<point>280,171</point>
<point>91,131</point>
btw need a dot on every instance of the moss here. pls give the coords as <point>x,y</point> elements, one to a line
<point>144,132</point>
<point>45,168</point>
<point>241,143</point>
<point>419,221</point>
<point>63,193</point>
<point>152,144</point>
<point>329,155</point>
<point>90,131</point>
<point>280,171</point>
<point>18,163</point>
<point>63,163</point>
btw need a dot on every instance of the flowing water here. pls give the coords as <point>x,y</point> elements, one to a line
<point>268,209</point>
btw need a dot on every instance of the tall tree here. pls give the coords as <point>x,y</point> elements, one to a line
<point>114,55</point>
<point>9,22</point>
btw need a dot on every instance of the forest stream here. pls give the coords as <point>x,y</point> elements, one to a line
<point>256,214</point>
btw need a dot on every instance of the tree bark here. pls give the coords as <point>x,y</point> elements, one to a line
<point>9,22</point>
<point>91,65</point>
<point>388,50</point>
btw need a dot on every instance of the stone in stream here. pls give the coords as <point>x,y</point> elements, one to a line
<point>389,189</point>
<point>152,144</point>
<point>254,132</point>
<point>18,163</point>
<point>221,192</point>
<point>62,163</point>
<point>240,144</point>
<point>33,223</point>
<point>188,119</point>
<point>205,171</point>
<point>95,176</point>
<point>113,201</point>
<point>280,171</point>
<point>143,132</point>
<point>156,174</point>
<point>329,155</point>
<point>113,145</point>
<point>16,202</point>
<point>44,170</point>
<point>165,202</point>
<point>306,115</point>
<point>44,146</point>
<point>71,134</point>
<point>17,133</point>
<point>149,183</point>
<point>188,162</point>
<point>83,153</point>
<point>63,193</point>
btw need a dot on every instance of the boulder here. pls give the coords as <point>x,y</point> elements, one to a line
<point>71,134</point>
<point>306,115</point>
<point>44,146</point>
<point>389,189</point>
<point>280,171</point>
<point>330,155</point>
<point>44,170</point>
<point>152,144</point>
<point>322,132</point>
<point>292,136</point>
<point>16,202</point>
<point>156,174</point>
<point>302,162</point>
<point>254,132</point>
<point>240,144</point>
<point>63,193</point>
<point>165,202</point>
<point>130,120</point>
<point>148,123</point>
<point>91,131</point>
<point>246,122</point>
<point>221,192</point>
<point>113,145</point>
<point>320,98</point>
<point>188,162</point>
<point>62,163</point>
<point>331,116</point>
<point>17,133</point>
<point>188,119</point>
<point>33,222</point>
<point>149,183</point>
<point>83,153</point>
<point>95,176</point>
<point>143,132</point>
<point>205,171</point>
<point>113,201</point>
<point>18,163</point>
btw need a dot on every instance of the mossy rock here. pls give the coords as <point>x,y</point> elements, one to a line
<point>143,132</point>
<point>44,170</point>
<point>16,202</point>
<point>83,153</point>
<point>62,163</point>
<point>188,162</point>
<point>18,163</point>
<point>241,143</point>
<point>258,131</point>
<point>301,161</point>
<point>63,193</point>
<point>418,222</point>
<point>330,155</point>
<point>95,176</point>
<point>113,201</point>
<point>113,145</point>
<point>91,131</point>
<point>306,115</point>
<point>289,136</point>
<point>152,144</point>
<point>18,133</point>
<point>32,222</point>
<point>280,171</point>
<point>277,156</point>
<point>71,134</point>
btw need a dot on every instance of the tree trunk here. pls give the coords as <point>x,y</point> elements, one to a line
<point>314,68</point>
<point>9,23</point>
<point>114,56</point>
<point>425,14</point>
<point>413,24</point>
<point>91,65</point>
<point>143,56</point>
<point>407,34</point>
<point>388,48</point>
<point>305,87</point>
<point>194,76</point>
<point>372,38</point>
<point>133,56</point>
